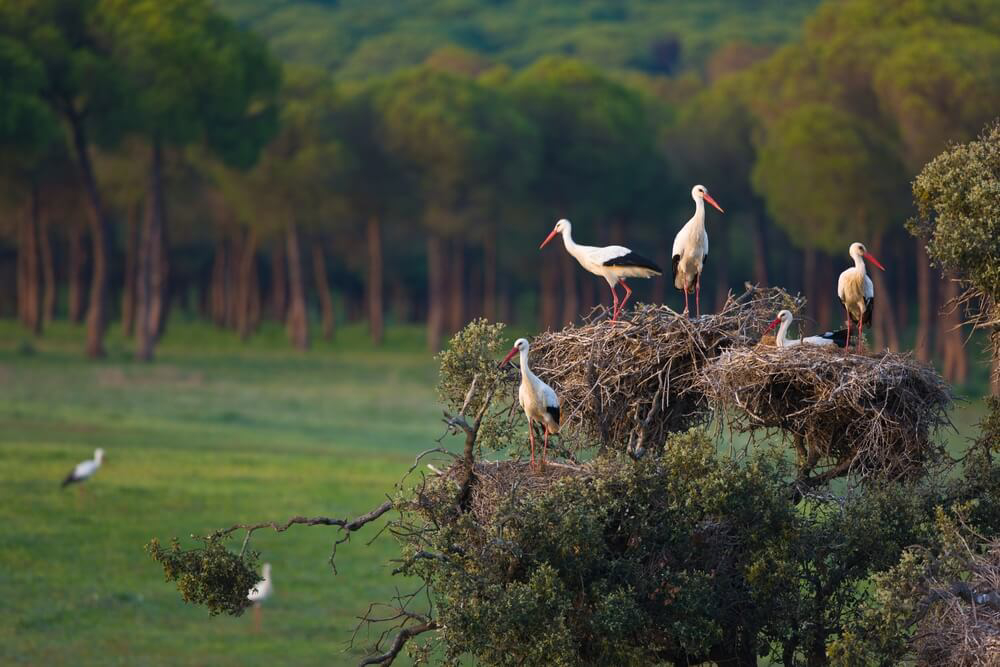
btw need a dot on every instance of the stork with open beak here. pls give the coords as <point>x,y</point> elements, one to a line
<point>856,291</point>
<point>538,400</point>
<point>691,249</point>
<point>785,318</point>
<point>614,263</point>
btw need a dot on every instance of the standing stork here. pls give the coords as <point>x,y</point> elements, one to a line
<point>785,318</point>
<point>614,263</point>
<point>84,470</point>
<point>260,592</point>
<point>856,291</point>
<point>691,249</point>
<point>539,401</point>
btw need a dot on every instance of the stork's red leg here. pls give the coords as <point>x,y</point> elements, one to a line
<point>847,345</point>
<point>614,308</point>
<point>545,447</point>
<point>531,435</point>
<point>685,297</point>
<point>697,294</point>
<point>628,293</point>
<point>860,335</point>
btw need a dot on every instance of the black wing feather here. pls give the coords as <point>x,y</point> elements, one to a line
<point>676,260</point>
<point>869,309</point>
<point>69,479</point>
<point>635,259</point>
<point>838,337</point>
<point>554,411</point>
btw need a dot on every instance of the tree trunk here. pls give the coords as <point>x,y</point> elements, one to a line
<point>48,266</point>
<point>130,278</point>
<point>298,321</point>
<point>279,283</point>
<point>720,260</point>
<point>28,270</point>
<point>758,230</point>
<point>571,302</point>
<point>77,262</point>
<point>884,317</point>
<point>435,289</point>
<point>323,290</point>
<point>217,298</point>
<point>247,285</point>
<point>148,279</point>
<point>547,290</point>
<point>926,310</point>
<point>954,364</point>
<point>373,234</point>
<point>456,286</point>
<point>100,230</point>
<point>234,279</point>
<point>254,305</point>
<point>160,304</point>
<point>490,272</point>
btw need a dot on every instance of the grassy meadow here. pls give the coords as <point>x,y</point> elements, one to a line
<point>214,432</point>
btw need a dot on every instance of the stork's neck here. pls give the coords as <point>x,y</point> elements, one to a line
<point>525,371</point>
<point>783,333</point>
<point>699,212</point>
<point>859,264</point>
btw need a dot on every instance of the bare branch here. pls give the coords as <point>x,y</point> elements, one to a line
<point>404,635</point>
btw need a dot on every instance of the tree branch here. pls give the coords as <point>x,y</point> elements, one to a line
<point>404,635</point>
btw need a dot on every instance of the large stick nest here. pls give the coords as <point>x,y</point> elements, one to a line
<point>845,411</point>
<point>630,383</point>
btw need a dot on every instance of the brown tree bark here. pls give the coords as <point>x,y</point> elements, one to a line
<point>234,279</point>
<point>373,234</point>
<point>323,290</point>
<point>570,300</point>
<point>77,261</point>
<point>279,283</point>
<point>926,309</point>
<point>490,272</point>
<point>254,305</point>
<point>456,286</point>
<point>131,271</point>
<point>954,364</point>
<point>28,273</point>
<point>884,317</point>
<point>100,231</point>
<point>435,300</point>
<point>217,306</point>
<point>47,266</point>
<point>148,276</point>
<point>247,286</point>
<point>298,320</point>
<point>160,307</point>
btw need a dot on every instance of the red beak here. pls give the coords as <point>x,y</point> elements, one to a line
<point>874,261</point>
<point>512,352</point>
<point>774,323</point>
<point>548,238</point>
<point>711,201</point>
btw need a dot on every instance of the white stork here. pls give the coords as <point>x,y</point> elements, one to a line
<point>260,592</point>
<point>84,470</point>
<point>838,338</point>
<point>856,291</point>
<point>691,249</point>
<point>539,401</point>
<point>614,263</point>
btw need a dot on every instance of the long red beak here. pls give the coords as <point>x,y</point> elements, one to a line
<point>548,238</point>
<point>874,261</point>
<point>774,323</point>
<point>711,201</point>
<point>510,354</point>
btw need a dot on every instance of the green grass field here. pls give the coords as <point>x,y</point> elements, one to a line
<point>212,433</point>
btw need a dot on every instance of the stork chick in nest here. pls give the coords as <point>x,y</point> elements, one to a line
<point>538,400</point>
<point>784,318</point>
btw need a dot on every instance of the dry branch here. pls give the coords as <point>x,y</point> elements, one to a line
<point>634,381</point>
<point>872,415</point>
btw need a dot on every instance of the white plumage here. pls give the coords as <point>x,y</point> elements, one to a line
<point>691,248</point>
<point>614,263</point>
<point>84,470</point>
<point>856,290</point>
<point>264,587</point>
<point>785,318</point>
<point>539,401</point>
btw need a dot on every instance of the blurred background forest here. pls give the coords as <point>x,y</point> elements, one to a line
<point>327,162</point>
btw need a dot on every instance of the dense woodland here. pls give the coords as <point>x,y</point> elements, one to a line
<point>160,160</point>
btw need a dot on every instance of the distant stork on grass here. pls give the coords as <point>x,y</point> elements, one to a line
<point>856,291</point>
<point>262,591</point>
<point>691,249</point>
<point>838,338</point>
<point>539,401</point>
<point>614,263</point>
<point>84,470</point>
